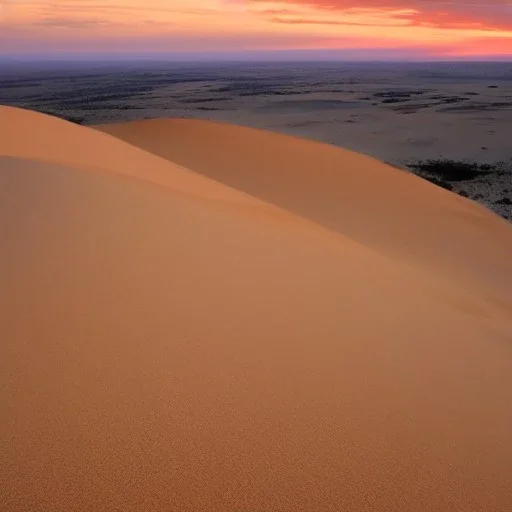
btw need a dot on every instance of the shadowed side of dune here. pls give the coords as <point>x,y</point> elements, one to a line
<point>394,212</point>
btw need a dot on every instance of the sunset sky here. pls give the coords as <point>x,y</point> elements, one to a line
<point>369,29</point>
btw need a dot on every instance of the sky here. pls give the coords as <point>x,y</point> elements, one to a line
<point>249,29</point>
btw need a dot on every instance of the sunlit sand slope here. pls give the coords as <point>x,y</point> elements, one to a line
<point>28,134</point>
<point>394,212</point>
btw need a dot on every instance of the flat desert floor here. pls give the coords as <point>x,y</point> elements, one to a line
<point>201,317</point>
<point>403,114</point>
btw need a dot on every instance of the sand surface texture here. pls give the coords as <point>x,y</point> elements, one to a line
<point>260,327</point>
<point>388,210</point>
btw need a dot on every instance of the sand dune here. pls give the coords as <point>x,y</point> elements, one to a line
<point>394,212</point>
<point>171,343</point>
<point>27,134</point>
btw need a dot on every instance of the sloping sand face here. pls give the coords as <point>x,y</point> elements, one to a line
<point>164,350</point>
<point>394,212</point>
<point>28,134</point>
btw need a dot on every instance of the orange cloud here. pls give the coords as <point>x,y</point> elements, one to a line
<point>419,27</point>
<point>481,14</point>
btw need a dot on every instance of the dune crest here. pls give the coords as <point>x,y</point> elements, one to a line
<point>391,211</point>
<point>32,135</point>
<point>167,348</point>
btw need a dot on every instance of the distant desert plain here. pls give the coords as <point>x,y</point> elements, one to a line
<point>449,122</point>
<point>202,316</point>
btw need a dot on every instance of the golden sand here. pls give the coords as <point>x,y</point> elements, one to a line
<point>265,324</point>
